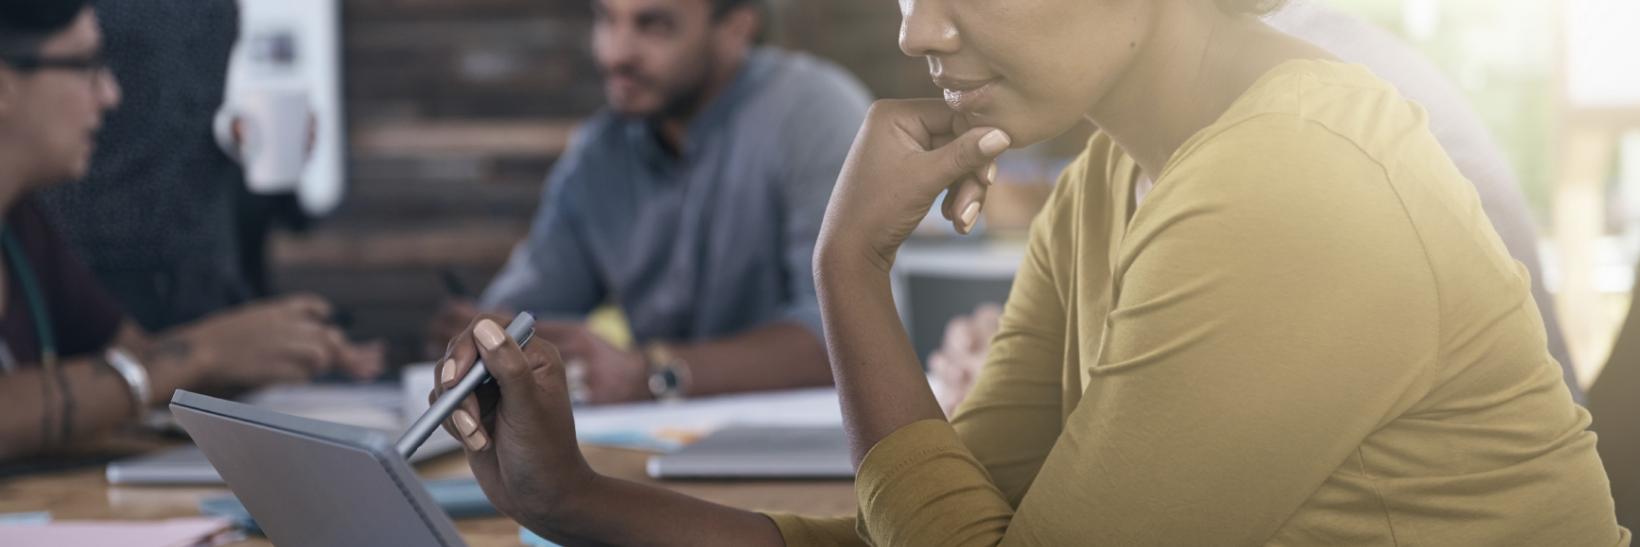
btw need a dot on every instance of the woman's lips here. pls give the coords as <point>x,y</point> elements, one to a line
<point>967,96</point>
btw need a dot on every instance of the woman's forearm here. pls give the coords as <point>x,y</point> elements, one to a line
<point>84,397</point>
<point>611,511</point>
<point>880,380</point>
<point>171,360</point>
<point>742,362</point>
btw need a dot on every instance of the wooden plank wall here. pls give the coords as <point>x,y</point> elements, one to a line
<point>457,109</point>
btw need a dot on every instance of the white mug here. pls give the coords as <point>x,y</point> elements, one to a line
<point>276,126</point>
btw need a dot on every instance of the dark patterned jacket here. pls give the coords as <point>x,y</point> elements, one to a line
<point>154,218</point>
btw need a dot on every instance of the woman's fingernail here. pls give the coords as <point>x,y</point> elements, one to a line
<point>991,174</point>
<point>448,376</point>
<point>464,423</point>
<point>994,143</point>
<point>970,214</point>
<point>489,334</point>
<point>477,442</point>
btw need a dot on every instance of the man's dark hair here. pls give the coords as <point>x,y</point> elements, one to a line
<point>764,14</point>
<point>1251,7</point>
<point>24,24</point>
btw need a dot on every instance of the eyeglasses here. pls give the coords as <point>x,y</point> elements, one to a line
<point>94,65</point>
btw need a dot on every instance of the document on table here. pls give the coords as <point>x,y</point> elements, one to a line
<point>184,532</point>
<point>666,426</point>
<point>376,406</point>
<point>383,407</point>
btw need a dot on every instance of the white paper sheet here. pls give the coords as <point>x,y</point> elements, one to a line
<point>185,532</point>
<point>668,425</point>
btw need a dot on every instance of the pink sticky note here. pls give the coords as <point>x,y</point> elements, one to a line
<point>185,532</point>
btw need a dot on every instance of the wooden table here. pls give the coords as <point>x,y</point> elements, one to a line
<point>85,494</point>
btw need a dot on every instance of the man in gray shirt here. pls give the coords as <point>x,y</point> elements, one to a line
<point>693,202</point>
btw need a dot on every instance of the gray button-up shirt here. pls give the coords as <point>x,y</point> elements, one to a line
<point>705,243</point>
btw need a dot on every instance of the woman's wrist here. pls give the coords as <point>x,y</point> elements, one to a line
<point>576,505</point>
<point>840,260</point>
<point>173,363</point>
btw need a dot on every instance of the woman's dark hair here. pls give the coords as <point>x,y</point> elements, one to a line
<point>24,24</point>
<point>1251,7</point>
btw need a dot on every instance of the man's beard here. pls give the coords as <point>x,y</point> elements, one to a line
<point>685,101</point>
<point>681,101</point>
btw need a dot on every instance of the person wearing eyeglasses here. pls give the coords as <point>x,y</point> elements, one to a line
<point>153,217</point>
<point>72,365</point>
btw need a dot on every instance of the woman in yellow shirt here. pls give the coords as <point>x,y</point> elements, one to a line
<point>1261,308</point>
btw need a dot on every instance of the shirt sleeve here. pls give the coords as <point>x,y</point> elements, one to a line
<point>828,115</point>
<point>1013,414</point>
<point>1267,316</point>
<point>1011,418</point>
<point>801,531</point>
<point>552,270</point>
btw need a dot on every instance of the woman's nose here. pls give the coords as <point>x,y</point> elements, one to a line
<point>926,29</point>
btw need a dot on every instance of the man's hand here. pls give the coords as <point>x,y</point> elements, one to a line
<point>236,129</point>
<point>956,364</point>
<point>451,320</point>
<point>362,361</point>
<point>610,374</point>
<point>285,340</point>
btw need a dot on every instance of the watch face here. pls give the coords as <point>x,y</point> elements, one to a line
<point>663,382</point>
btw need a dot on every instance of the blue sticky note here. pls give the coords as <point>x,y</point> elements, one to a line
<point>632,440</point>
<point>531,540</point>
<point>37,517</point>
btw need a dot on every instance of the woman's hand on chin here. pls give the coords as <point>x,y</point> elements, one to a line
<point>907,152</point>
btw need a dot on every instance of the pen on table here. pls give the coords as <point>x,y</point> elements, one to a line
<point>453,284</point>
<point>341,318</point>
<point>521,330</point>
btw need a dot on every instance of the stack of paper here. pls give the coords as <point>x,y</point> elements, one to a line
<point>667,426</point>
<point>187,532</point>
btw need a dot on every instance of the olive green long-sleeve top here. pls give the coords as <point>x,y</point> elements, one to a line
<point>1306,334</point>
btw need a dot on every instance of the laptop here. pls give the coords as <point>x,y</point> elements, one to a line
<point>314,483</point>
<point>760,452</point>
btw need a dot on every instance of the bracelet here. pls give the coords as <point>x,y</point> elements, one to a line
<point>136,378</point>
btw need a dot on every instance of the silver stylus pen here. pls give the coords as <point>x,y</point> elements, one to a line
<point>521,329</point>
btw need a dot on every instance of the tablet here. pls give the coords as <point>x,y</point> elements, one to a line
<point>385,408</point>
<point>314,483</point>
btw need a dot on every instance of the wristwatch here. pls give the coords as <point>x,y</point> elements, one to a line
<point>668,373</point>
<point>136,378</point>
